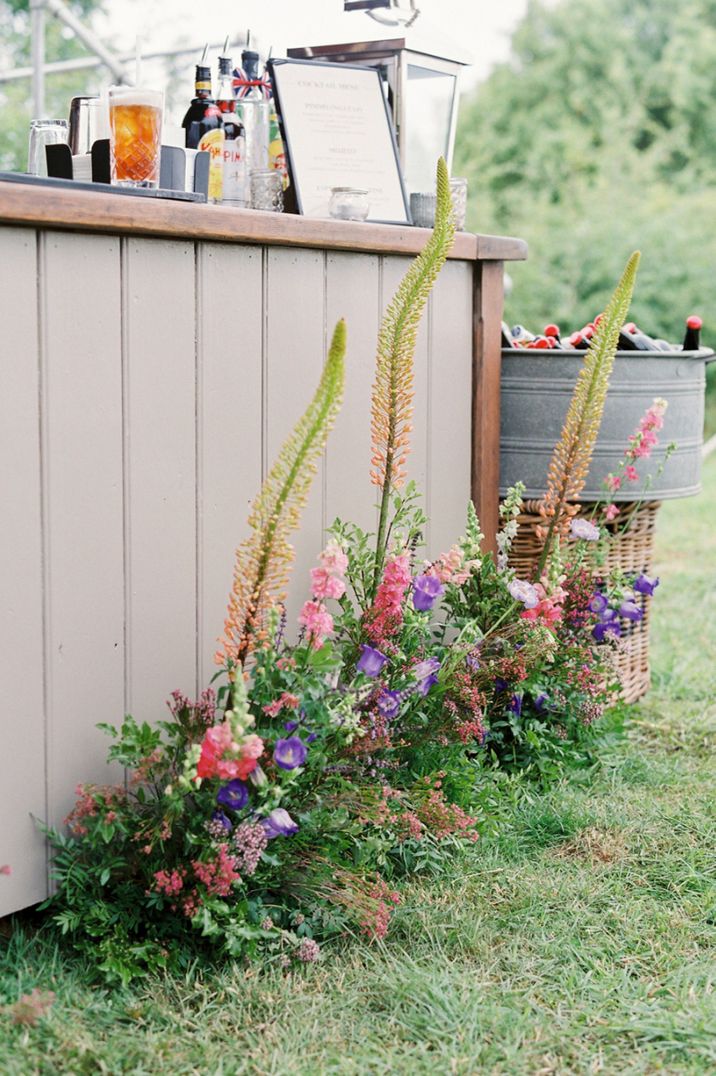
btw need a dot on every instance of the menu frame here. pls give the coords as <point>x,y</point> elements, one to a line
<point>380,117</point>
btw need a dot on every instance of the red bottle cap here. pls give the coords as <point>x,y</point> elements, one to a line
<point>694,322</point>
<point>598,319</point>
<point>541,341</point>
<point>551,330</point>
<point>587,332</point>
<point>575,338</point>
<point>630,327</point>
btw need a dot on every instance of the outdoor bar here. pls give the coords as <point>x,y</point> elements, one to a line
<point>156,352</point>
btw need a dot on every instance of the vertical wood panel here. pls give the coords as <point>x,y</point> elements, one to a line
<point>353,292</point>
<point>22,726</point>
<point>295,353</point>
<point>487,362</point>
<point>160,455</point>
<point>82,460</point>
<point>450,404</point>
<point>394,269</point>
<point>229,350</point>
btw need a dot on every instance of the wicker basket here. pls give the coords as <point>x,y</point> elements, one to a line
<point>631,550</point>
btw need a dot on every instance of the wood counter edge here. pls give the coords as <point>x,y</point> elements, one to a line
<point>87,211</point>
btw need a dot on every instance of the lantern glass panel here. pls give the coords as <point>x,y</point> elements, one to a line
<point>429,105</point>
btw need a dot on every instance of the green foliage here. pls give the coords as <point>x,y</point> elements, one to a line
<point>595,139</point>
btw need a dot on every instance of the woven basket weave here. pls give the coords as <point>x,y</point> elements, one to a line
<point>632,550</point>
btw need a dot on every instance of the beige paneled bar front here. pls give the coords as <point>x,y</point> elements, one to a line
<point>154,355</point>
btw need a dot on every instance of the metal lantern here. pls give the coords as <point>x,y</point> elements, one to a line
<point>422,92</point>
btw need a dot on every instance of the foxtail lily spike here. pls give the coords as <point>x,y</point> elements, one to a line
<point>263,561</point>
<point>392,401</point>
<point>573,452</point>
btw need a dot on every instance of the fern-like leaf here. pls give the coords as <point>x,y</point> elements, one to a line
<point>573,452</point>
<point>263,561</point>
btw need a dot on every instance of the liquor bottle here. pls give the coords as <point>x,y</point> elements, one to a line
<point>252,108</point>
<point>235,190</point>
<point>204,128</point>
<point>520,333</point>
<point>692,337</point>
<point>552,333</point>
<point>632,338</point>
<point>506,336</point>
<point>276,152</point>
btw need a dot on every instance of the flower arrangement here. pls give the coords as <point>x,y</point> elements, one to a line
<point>282,807</point>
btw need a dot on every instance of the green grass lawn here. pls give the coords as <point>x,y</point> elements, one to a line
<point>580,937</point>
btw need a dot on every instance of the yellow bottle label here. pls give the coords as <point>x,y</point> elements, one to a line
<point>213,143</point>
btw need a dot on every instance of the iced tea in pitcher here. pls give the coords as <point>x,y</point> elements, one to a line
<point>135,123</point>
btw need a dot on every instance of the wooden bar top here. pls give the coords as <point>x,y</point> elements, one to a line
<point>87,211</point>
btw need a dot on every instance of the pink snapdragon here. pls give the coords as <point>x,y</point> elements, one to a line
<point>640,446</point>
<point>386,614</point>
<point>325,585</point>
<point>326,582</point>
<point>228,754</point>
<point>317,621</point>
<point>611,512</point>
<point>451,567</point>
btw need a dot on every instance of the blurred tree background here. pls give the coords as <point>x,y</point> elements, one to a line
<point>60,44</point>
<point>597,138</point>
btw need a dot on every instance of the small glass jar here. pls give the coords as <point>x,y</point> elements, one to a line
<point>44,133</point>
<point>348,203</point>
<point>458,190</point>
<point>422,209</point>
<point>266,190</point>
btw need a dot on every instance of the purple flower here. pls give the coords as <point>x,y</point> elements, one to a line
<point>290,725</point>
<point>234,794</point>
<point>371,661</point>
<point>290,753</point>
<point>222,820</point>
<point>515,705</point>
<point>584,531</point>
<point>630,610</point>
<point>279,824</point>
<point>541,701</point>
<point>599,631</point>
<point>524,592</point>
<point>389,703</point>
<point>426,589</point>
<point>598,602</point>
<point>644,585</point>
<point>425,672</point>
<point>311,737</point>
<point>501,684</point>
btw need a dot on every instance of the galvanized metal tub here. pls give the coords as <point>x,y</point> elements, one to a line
<point>536,388</point>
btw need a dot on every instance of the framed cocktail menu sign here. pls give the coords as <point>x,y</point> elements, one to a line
<point>337,132</point>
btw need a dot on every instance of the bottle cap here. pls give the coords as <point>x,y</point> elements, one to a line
<point>551,330</point>
<point>694,322</point>
<point>630,327</point>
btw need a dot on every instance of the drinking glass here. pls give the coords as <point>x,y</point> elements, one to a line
<point>135,136</point>
<point>458,190</point>
<point>43,133</point>
<point>267,190</point>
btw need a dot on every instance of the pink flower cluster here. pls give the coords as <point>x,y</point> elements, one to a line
<point>327,581</point>
<point>286,701</point>
<point>451,567</point>
<point>548,610</point>
<point>222,756</point>
<point>380,898</point>
<point>386,614</point>
<point>169,883</point>
<point>220,874</point>
<point>641,443</point>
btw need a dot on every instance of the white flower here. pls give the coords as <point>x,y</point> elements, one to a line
<point>584,531</point>
<point>524,592</point>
